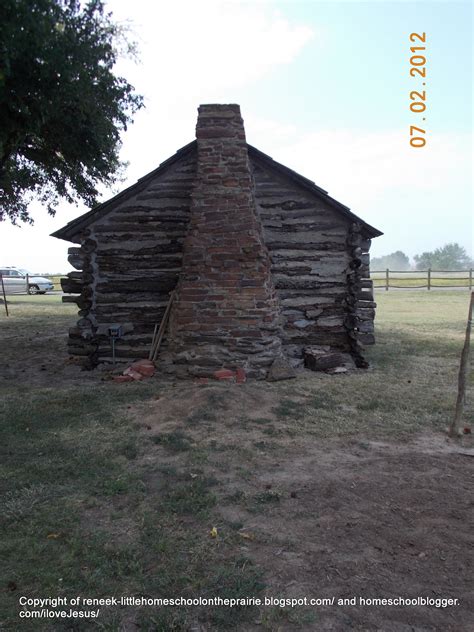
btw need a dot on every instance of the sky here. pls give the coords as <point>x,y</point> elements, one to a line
<point>324,88</point>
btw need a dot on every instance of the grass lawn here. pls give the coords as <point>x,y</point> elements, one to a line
<point>321,486</point>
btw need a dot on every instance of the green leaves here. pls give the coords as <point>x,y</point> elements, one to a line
<point>449,257</point>
<point>61,106</point>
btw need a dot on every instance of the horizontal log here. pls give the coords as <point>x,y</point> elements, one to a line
<point>76,257</point>
<point>288,227</point>
<point>364,314</point>
<point>366,339</point>
<point>308,255</point>
<point>139,249</point>
<point>71,286</point>
<point>164,195</point>
<point>149,300</point>
<point>162,284</point>
<point>75,332</point>
<point>136,230</point>
<point>325,269</point>
<point>177,212</point>
<point>133,268</point>
<point>365,304</point>
<point>75,275</point>
<point>365,326</point>
<point>330,238</point>
<point>283,199</point>
<point>365,295</point>
<point>70,299</point>
<point>306,282</point>
<point>80,300</point>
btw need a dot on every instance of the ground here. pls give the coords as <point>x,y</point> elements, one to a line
<point>324,486</point>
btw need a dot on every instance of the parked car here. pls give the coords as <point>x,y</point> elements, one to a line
<point>15,282</point>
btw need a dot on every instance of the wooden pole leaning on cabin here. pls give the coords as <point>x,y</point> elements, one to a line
<point>4,295</point>
<point>153,341</point>
<point>162,329</point>
<point>462,377</point>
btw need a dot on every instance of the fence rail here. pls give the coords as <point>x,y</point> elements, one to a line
<point>422,279</point>
<point>387,279</point>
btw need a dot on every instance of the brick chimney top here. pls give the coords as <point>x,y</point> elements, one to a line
<point>220,121</point>
<point>225,109</point>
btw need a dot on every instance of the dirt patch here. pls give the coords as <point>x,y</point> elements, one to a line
<point>111,517</point>
<point>327,517</point>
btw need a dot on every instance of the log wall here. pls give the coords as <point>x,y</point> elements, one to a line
<point>130,260</point>
<point>307,241</point>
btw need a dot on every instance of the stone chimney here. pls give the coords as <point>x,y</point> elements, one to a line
<point>225,313</point>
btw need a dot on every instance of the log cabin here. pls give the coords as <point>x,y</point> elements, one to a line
<point>262,263</point>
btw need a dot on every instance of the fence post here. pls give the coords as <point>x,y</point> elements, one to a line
<point>4,296</point>
<point>470,279</point>
<point>429,278</point>
<point>387,279</point>
<point>462,377</point>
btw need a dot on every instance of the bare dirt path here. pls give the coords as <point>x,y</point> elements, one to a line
<point>343,518</point>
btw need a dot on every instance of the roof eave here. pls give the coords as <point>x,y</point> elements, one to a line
<point>368,230</point>
<point>70,231</point>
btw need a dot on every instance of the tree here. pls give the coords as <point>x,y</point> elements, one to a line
<point>396,261</point>
<point>62,109</point>
<point>450,257</point>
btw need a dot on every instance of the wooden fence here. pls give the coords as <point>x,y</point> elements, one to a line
<point>397,279</point>
<point>422,279</point>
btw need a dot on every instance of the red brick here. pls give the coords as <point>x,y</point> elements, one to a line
<point>240,376</point>
<point>224,374</point>
<point>144,367</point>
<point>135,375</point>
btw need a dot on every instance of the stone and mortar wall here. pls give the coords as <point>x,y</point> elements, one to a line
<point>226,312</point>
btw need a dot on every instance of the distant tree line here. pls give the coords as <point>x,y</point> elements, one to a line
<point>449,257</point>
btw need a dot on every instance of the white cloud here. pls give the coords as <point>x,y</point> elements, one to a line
<point>209,47</point>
